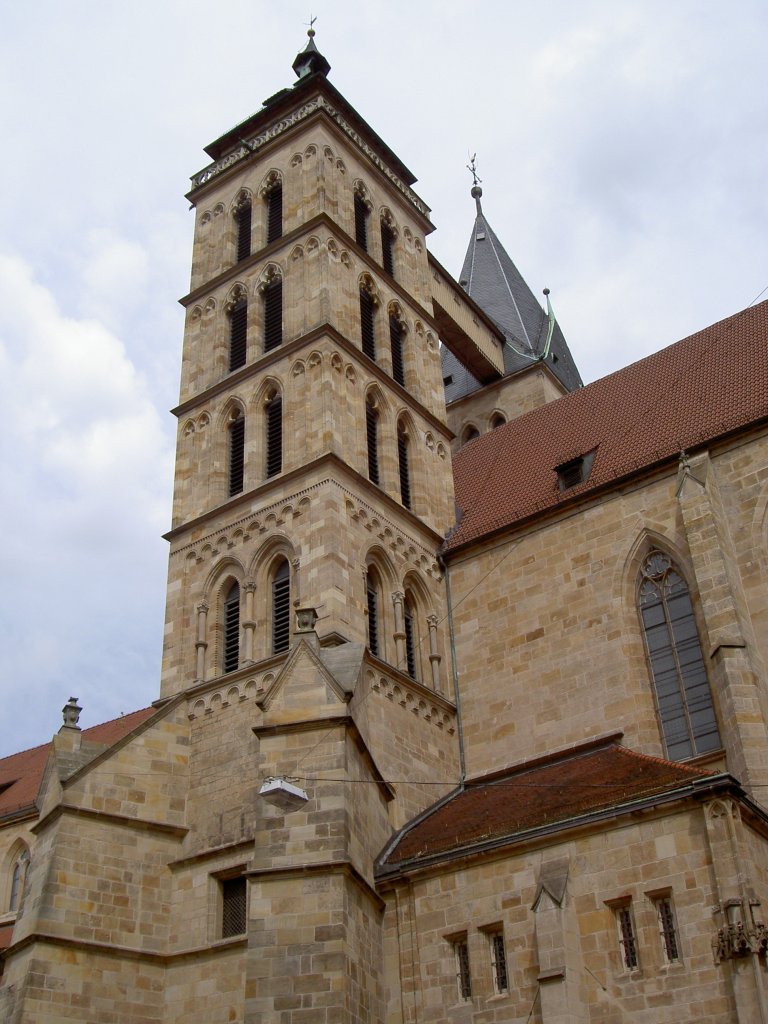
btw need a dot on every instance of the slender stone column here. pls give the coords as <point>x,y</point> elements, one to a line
<point>201,644</point>
<point>398,600</point>
<point>434,657</point>
<point>249,623</point>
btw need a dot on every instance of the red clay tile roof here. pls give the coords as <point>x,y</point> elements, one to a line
<point>539,794</point>
<point>699,389</point>
<point>21,773</point>
<point>5,936</point>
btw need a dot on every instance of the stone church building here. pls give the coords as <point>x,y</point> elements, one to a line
<point>463,713</point>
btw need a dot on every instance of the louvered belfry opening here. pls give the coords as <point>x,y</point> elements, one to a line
<point>274,436</point>
<point>244,218</point>
<point>281,609</point>
<point>361,222</point>
<point>396,332</point>
<point>403,466</point>
<point>410,640</point>
<point>372,438</point>
<point>367,323</point>
<point>236,455</point>
<point>274,200</point>
<point>238,334</point>
<point>232,629</point>
<point>373,613</point>
<point>233,906</point>
<point>387,248</point>
<point>273,314</point>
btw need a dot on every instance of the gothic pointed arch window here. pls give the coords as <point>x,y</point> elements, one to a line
<point>18,880</point>
<point>231,661</point>
<point>403,463</point>
<point>388,236</point>
<point>368,319</point>
<point>411,635</point>
<point>469,433</point>
<point>238,332</point>
<point>281,606</point>
<point>681,688</point>
<point>272,193</point>
<point>396,338</point>
<point>372,438</point>
<point>362,209</point>
<point>236,454</point>
<point>243,220</point>
<point>273,423</point>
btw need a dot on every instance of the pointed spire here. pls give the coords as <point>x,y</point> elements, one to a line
<point>310,61</point>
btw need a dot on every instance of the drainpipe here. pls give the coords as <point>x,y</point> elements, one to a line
<point>456,697</point>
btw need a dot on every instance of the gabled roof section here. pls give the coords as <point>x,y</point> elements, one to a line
<point>710,384</point>
<point>491,278</point>
<point>22,773</point>
<point>543,794</point>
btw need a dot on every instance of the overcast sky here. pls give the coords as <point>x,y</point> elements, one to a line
<point>623,150</point>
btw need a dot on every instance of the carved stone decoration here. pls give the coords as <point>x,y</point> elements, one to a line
<point>71,713</point>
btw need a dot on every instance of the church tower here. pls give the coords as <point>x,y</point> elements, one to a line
<point>305,611</point>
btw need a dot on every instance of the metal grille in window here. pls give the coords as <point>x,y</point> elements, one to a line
<point>274,416</point>
<point>232,629</point>
<point>367,327</point>
<point>273,314</point>
<point>372,438</point>
<point>683,697</point>
<point>396,341</point>
<point>373,621</point>
<point>627,937</point>
<point>281,609</point>
<point>274,213</point>
<point>499,962</point>
<point>410,642</point>
<point>236,455</point>
<point>233,906</point>
<point>244,232</point>
<point>463,977</point>
<point>361,222</point>
<point>667,929</point>
<point>388,249</point>
<point>238,334</point>
<point>405,475</point>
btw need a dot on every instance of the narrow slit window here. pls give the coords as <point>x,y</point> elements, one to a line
<point>238,335</point>
<point>18,881</point>
<point>368,324</point>
<point>372,440</point>
<point>627,937</point>
<point>463,975</point>
<point>232,629</point>
<point>665,915</point>
<point>683,697</point>
<point>274,201</point>
<point>372,597</point>
<point>396,333</point>
<point>273,314</point>
<point>498,962</point>
<point>387,248</point>
<point>281,609</point>
<point>410,639</point>
<point>361,222</point>
<point>404,466</point>
<point>236,455</point>
<point>274,431</point>
<point>243,220</point>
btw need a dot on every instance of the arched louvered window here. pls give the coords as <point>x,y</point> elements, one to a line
<point>372,598</point>
<point>403,465</point>
<point>238,334</point>
<point>236,459</point>
<point>281,608</point>
<point>372,439</point>
<point>683,698</point>
<point>387,248</point>
<point>368,323</point>
<point>273,314</point>
<point>243,219</point>
<point>232,628</point>
<point>409,624</point>
<point>361,221</point>
<point>274,435</point>
<point>18,879</point>
<point>396,334</point>
<point>274,201</point>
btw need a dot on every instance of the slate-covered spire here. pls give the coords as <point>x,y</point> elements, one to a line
<point>310,60</point>
<point>497,286</point>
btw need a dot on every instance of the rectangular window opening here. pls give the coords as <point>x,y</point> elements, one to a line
<point>233,906</point>
<point>498,962</point>
<point>627,937</point>
<point>463,975</point>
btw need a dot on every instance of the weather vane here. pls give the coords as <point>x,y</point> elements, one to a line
<point>312,20</point>
<point>472,168</point>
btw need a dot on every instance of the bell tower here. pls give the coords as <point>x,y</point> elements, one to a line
<point>313,476</point>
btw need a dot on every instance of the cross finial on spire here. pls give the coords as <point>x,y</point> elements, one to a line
<point>476,192</point>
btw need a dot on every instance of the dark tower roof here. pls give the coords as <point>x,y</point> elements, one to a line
<point>491,278</point>
<point>310,60</point>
